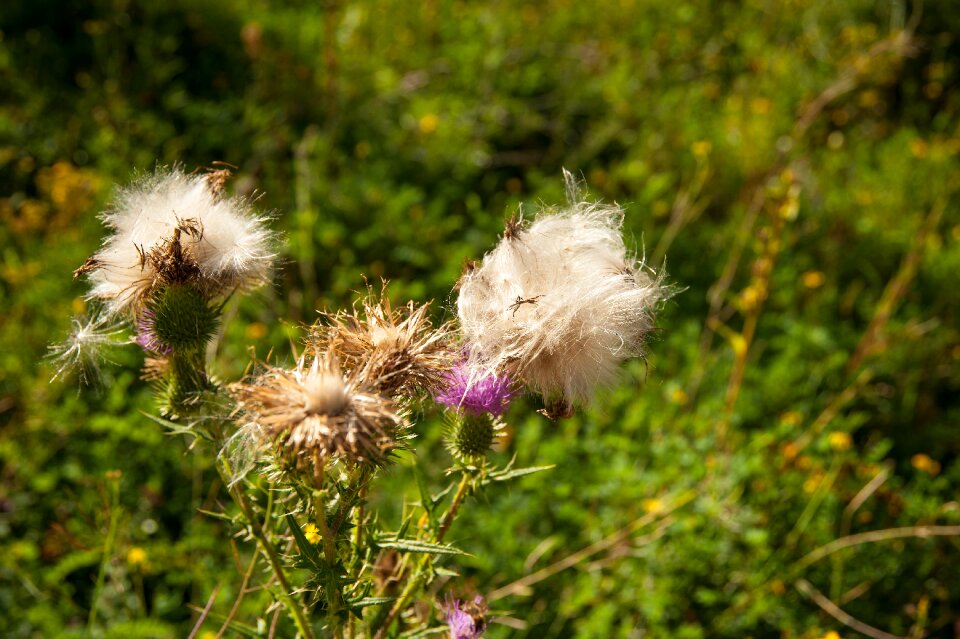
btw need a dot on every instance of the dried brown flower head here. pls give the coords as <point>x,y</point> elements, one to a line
<point>318,413</point>
<point>400,349</point>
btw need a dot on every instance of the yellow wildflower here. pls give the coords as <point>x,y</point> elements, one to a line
<point>840,441</point>
<point>137,557</point>
<point>925,463</point>
<point>813,279</point>
<point>428,123</point>
<point>312,533</point>
<point>652,505</point>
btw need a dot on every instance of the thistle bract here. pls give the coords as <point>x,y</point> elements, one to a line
<point>470,437</point>
<point>399,348</point>
<point>182,318</point>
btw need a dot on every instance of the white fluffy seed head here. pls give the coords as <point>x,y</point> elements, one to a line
<point>560,303</point>
<point>225,238</point>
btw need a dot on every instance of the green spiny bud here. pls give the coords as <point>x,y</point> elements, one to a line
<point>471,436</point>
<point>184,320</point>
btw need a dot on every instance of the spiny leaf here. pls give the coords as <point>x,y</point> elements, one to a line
<point>413,545</point>
<point>306,548</point>
<point>446,572</point>
<point>174,427</point>
<point>512,473</point>
<point>223,516</point>
<point>369,601</point>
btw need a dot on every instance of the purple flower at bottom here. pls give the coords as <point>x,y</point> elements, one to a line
<point>467,621</point>
<point>466,388</point>
<point>147,336</point>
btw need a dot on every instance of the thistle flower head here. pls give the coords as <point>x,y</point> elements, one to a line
<point>318,412</point>
<point>468,620</point>
<point>174,227</point>
<point>84,348</point>
<point>399,348</point>
<point>476,391</point>
<point>560,303</point>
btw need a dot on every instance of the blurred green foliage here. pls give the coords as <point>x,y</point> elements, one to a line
<point>797,162</point>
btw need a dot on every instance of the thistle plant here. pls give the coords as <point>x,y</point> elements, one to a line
<point>179,249</point>
<point>552,310</point>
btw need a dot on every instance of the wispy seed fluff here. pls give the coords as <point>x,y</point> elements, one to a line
<point>85,347</point>
<point>171,227</point>
<point>560,303</point>
<point>318,413</point>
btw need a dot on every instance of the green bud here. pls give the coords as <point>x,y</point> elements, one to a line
<point>471,436</point>
<point>184,319</point>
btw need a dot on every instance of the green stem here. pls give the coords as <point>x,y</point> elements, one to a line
<point>421,573</point>
<point>454,506</point>
<point>107,550</point>
<point>187,379</point>
<point>275,564</point>
<point>331,588</point>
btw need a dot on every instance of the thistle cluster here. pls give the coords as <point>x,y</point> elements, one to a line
<point>348,400</point>
<point>552,310</point>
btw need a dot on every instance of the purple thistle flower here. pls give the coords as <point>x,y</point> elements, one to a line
<point>468,621</point>
<point>467,389</point>
<point>147,336</point>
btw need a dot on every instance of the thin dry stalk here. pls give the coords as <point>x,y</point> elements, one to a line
<point>836,578</point>
<point>865,493</point>
<point>898,45</point>
<point>687,207</point>
<point>204,613</point>
<point>873,536</point>
<point>872,340</point>
<point>837,613</point>
<point>240,595</point>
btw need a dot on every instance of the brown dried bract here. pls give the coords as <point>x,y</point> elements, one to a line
<point>469,266</point>
<point>399,349</point>
<point>90,264</point>
<point>217,177</point>
<point>170,263</point>
<point>155,369</point>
